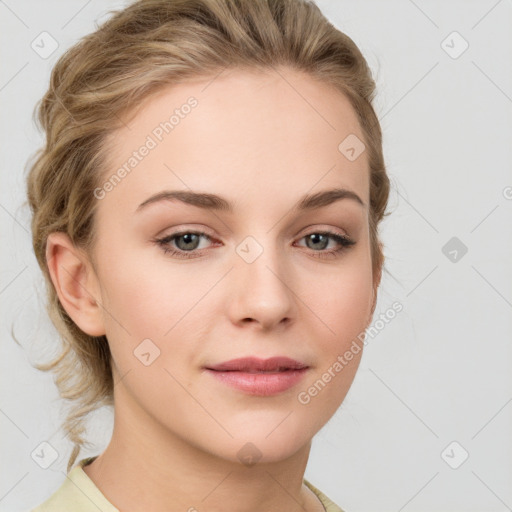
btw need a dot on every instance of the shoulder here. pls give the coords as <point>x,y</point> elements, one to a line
<point>77,493</point>
<point>328,504</point>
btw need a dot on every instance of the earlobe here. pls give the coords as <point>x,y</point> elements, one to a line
<point>377,278</point>
<point>75,283</point>
<point>376,283</point>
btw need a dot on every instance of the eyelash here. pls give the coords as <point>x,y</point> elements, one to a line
<point>345,244</point>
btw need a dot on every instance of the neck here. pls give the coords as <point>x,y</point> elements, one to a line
<point>146,467</point>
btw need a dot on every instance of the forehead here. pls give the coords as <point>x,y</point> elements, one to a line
<point>240,132</point>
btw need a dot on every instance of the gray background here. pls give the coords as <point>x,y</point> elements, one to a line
<point>440,371</point>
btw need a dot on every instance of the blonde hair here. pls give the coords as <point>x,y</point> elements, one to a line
<point>149,45</point>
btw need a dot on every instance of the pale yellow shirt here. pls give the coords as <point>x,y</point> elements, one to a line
<point>79,493</point>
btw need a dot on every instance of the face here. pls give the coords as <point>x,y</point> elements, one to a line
<point>186,285</point>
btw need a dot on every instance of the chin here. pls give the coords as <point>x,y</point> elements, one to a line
<point>265,446</point>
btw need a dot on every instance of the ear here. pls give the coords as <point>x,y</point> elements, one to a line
<point>376,282</point>
<point>75,282</point>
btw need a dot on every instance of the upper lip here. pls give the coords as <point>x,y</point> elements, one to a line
<point>254,364</point>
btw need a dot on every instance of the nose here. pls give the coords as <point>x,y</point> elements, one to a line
<point>262,291</point>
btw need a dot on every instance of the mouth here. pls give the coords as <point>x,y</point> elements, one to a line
<point>259,377</point>
<point>256,365</point>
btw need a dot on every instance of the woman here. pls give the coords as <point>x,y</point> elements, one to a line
<point>205,213</point>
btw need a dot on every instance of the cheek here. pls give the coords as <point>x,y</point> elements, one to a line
<point>147,297</point>
<point>350,303</point>
<point>341,299</point>
<point>145,293</point>
<point>160,301</point>
<point>344,311</point>
<point>136,298</point>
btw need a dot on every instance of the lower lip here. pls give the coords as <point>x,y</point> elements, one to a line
<point>260,384</point>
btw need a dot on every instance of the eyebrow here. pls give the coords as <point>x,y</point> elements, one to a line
<point>214,202</point>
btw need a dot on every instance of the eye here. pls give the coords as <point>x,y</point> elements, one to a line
<point>185,244</point>
<point>319,240</point>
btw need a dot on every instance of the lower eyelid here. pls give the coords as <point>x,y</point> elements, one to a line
<point>170,250</point>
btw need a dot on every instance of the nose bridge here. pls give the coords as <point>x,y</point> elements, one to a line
<point>261,280</point>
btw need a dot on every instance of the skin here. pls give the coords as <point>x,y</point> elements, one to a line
<point>262,141</point>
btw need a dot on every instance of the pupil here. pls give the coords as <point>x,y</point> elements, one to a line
<point>187,237</point>
<point>315,236</point>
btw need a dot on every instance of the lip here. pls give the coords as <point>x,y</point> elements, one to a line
<point>255,364</point>
<point>260,377</point>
